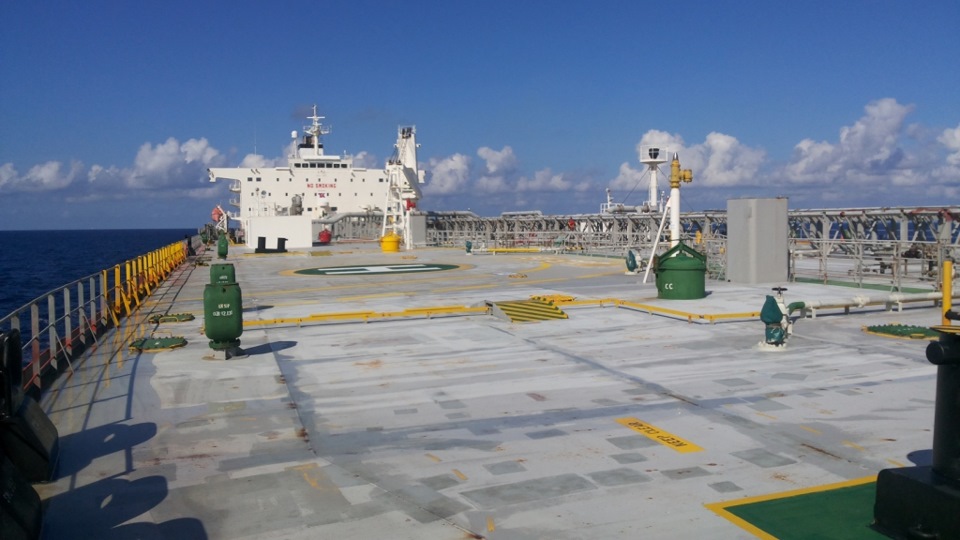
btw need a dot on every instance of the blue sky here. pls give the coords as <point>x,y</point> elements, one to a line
<point>111,111</point>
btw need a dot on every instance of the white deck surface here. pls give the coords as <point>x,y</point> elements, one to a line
<point>473,426</point>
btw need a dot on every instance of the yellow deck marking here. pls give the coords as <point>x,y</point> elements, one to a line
<point>490,526</point>
<point>896,463</point>
<point>460,475</point>
<point>433,457</point>
<point>657,434</point>
<point>810,429</point>
<point>853,445</point>
<point>720,508</point>
<point>765,415</point>
<point>311,479</point>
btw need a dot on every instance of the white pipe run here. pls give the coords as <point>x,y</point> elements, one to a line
<point>860,301</point>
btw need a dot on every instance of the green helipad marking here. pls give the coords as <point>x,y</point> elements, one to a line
<point>843,513</point>
<point>378,269</point>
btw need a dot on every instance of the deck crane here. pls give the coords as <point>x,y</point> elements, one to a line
<point>404,179</point>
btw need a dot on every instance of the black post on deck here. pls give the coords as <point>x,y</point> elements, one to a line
<point>924,502</point>
<point>945,353</point>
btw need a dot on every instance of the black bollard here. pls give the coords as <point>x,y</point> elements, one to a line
<point>924,502</point>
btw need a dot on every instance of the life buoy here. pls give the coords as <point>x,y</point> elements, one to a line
<point>324,237</point>
<point>572,224</point>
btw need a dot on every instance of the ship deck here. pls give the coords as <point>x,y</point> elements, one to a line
<point>357,413</point>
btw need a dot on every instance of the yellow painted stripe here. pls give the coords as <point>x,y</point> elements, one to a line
<point>810,429</point>
<point>654,433</point>
<point>720,508</point>
<point>896,463</point>
<point>369,315</point>
<point>490,525</point>
<point>434,458</point>
<point>765,415</point>
<point>853,445</point>
<point>460,475</point>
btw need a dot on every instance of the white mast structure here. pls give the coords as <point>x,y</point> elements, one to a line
<point>316,131</point>
<point>652,157</point>
<point>676,176</point>
<point>403,191</point>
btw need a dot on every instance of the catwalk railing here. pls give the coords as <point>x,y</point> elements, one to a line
<point>867,247</point>
<point>55,327</point>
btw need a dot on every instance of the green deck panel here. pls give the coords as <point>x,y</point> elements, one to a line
<point>837,514</point>
<point>870,286</point>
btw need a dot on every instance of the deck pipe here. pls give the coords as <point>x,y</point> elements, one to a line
<point>863,300</point>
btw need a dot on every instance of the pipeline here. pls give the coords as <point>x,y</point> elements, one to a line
<point>860,301</point>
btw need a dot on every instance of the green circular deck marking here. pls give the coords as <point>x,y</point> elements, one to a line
<point>373,270</point>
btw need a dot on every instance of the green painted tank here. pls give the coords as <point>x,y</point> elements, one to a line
<point>681,273</point>
<point>223,315</point>
<point>222,273</point>
<point>222,244</point>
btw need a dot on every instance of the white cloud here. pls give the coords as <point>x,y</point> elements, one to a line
<point>720,161</point>
<point>867,151</point>
<point>629,178</point>
<point>728,162</point>
<point>448,175</point>
<point>499,163</point>
<point>950,138</point>
<point>491,184</point>
<point>545,180</point>
<point>163,166</point>
<point>367,160</point>
<point>255,161</point>
<point>49,176</point>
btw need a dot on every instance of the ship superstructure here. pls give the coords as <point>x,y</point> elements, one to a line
<point>299,200</point>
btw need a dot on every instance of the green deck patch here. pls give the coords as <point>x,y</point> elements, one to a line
<point>871,286</point>
<point>158,344</point>
<point>902,331</point>
<point>158,318</point>
<point>841,512</point>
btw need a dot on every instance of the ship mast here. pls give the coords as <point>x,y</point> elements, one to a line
<point>316,131</point>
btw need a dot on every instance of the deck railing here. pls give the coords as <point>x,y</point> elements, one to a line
<point>58,325</point>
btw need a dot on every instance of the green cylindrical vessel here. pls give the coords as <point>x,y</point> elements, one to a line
<point>222,273</point>
<point>681,274</point>
<point>223,315</point>
<point>222,244</point>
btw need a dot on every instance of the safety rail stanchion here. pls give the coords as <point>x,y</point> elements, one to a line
<point>100,300</point>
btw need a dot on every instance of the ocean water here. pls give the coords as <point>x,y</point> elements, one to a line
<point>33,263</point>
